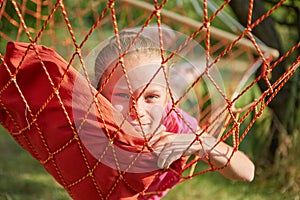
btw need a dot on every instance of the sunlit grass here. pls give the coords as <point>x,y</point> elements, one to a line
<point>214,186</point>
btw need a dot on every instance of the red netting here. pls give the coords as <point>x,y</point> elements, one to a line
<point>37,90</point>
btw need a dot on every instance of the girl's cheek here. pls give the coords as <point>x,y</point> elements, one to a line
<point>157,111</point>
<point>121,108</point>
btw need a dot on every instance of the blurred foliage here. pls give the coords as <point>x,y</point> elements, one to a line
<point>284,175</point>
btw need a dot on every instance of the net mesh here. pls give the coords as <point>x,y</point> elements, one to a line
<point>73,29</point>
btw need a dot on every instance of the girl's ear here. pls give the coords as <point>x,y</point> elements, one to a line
<point>168,99</point>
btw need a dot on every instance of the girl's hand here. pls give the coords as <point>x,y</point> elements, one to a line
<point>232,163</point>
<point>170,147</point>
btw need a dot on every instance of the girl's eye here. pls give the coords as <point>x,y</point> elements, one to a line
<point>152,97</point>
<point>122,95</point>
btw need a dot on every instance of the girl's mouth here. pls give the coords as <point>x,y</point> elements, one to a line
<point>144,128</point>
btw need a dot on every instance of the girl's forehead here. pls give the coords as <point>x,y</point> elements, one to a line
<point>141,75</point>
<point>135,60</point>
<point>145,89</point>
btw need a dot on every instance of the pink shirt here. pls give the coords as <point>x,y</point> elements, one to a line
<point>168,179</point>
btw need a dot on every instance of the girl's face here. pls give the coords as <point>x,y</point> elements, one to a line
<point>149,99</point>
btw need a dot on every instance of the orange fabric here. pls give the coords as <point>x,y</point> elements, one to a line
<point>43,129</point>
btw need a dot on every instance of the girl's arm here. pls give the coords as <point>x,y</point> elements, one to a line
<point>237,165</point>
<point>234,165</point>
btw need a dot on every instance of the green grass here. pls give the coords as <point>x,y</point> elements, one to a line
<point>23,178</point>
<point>214,186</point>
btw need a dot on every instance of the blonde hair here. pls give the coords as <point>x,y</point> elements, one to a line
<point>109,55</point>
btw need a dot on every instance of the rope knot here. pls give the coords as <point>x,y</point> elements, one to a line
<point>157,11</point>
<point>206,24</point>
<point>248,30</point>
<point>111,4</point>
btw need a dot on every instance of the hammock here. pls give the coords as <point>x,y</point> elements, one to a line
<point>37,89</point>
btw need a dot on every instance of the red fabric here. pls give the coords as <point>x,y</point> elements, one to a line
<point>43,129</point>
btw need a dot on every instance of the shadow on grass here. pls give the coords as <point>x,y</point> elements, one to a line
<point>22,177</point>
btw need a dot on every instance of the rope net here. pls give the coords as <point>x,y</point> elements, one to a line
<point>39,97</point>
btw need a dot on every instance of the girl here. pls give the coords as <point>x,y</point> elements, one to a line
<point>136,85</point>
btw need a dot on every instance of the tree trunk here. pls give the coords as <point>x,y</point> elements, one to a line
<point>266,32</point>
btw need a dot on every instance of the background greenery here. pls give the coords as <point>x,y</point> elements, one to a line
<point>277,172</point>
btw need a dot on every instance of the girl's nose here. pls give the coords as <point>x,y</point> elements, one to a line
<point>139,110</point>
